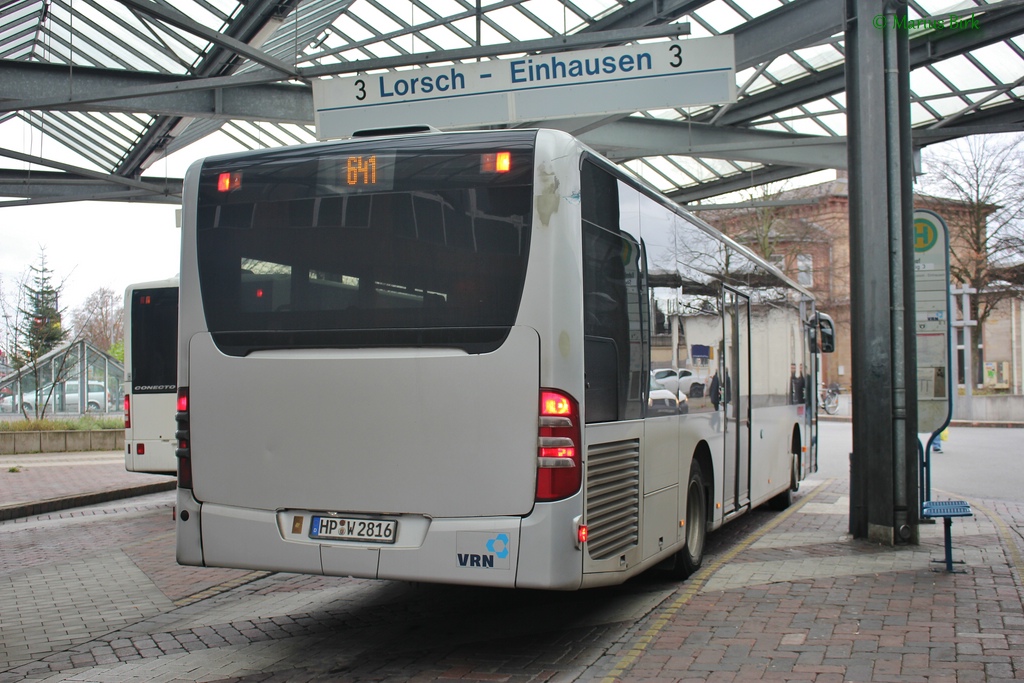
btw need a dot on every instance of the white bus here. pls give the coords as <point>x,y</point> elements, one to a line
<point>427,357</point>
<point>151,376</point>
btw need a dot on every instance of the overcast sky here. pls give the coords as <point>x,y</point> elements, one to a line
<point>90,245</point>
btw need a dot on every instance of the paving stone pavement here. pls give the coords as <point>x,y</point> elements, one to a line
<point>802,601</point>
<point>782,597</point>
<point>38,483</point>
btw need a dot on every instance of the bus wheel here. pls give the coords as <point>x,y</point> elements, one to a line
<point>785,499</point>
<point>691,557</point>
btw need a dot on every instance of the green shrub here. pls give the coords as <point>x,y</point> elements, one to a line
<point>82,424</point>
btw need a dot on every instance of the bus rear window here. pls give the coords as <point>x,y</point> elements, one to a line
<point>375,243</point>
<point>154,350</point>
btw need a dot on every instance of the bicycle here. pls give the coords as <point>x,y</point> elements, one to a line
<point>829,401</point>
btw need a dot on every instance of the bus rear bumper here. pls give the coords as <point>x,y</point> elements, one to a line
<point>467,551</point>
<point>157,456</point>
<point>187,529</point>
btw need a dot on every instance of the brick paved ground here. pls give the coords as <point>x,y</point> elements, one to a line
<point>782,597</point>
<point>804,602</point>
<point>66,480</point>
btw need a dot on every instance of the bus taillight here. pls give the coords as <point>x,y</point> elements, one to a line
<point>559,463</point>
<point>127,411</point>
<point>496,162</point>
<point>227,182</point>
<point>184,450</point>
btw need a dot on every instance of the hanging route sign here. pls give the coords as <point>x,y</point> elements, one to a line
<point>661,75</point>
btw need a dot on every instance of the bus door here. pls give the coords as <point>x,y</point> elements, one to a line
<point>812,360</point>
<point>735,369</point>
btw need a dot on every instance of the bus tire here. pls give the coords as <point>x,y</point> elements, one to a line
<point>691,557</point>
<point>785,499</point>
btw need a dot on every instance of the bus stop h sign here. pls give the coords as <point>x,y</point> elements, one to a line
<point>931,281</point>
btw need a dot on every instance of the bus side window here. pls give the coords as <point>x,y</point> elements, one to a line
<point>610,280</point>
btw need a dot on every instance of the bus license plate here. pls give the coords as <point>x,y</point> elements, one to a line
<point>343,529</point>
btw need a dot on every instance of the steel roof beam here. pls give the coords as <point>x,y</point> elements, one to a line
<point>929,49</point>
<point>790,27</point>
<point>263,99</point>
<point>96,86</point>
<point>76,170</point>
<point>635,137</point>
<point>175,18</point>
<point>219,61</point>
<point>740,181</point>
<point>645,13</point>
<point>49,187</point>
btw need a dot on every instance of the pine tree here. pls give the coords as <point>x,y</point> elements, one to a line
<point>41,327</point>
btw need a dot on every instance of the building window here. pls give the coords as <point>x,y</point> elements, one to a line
<point>805,270</point>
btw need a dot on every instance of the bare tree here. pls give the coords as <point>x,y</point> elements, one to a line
<point>787,234</point>
<point>99,319</point>
<point>759,226</point>
<point>12,299</point>
<point>983,176</point>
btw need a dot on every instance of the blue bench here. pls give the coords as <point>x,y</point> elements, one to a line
<point>947,509</point>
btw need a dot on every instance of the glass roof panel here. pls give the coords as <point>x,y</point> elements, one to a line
<point>720,17</point>
<point>513,21</point>
<point>597,9</point>
<point>784,68</point>
<point>445,8</point>
<point>1002,61</point>
<point>821,57</point>
<point>556,16</point>
<point>961,73</point>
<point>756,8</point>
<point>947,106</point>
<point>112,36</point>
<point>919,115</point>
<point>349,27</point>
<point>819,106</point>
<point>924,83</point>
<point>380,22</point>
<point>445,38</point>
<point>760,84</point>
<point>835,122</point>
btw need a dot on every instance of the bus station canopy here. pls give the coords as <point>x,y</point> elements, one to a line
<point>119,86</point>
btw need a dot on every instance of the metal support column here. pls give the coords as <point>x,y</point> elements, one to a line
<point>883,465</point>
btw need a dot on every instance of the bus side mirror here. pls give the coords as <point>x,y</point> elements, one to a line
<point>827,331</point>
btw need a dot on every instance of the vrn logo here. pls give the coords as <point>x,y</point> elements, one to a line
<point>496,546</point>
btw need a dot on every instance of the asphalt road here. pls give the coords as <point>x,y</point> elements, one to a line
<point>975,462</point>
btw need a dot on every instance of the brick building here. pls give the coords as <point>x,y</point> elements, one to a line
<point>806,233</point>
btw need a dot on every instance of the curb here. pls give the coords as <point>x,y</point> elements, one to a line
<point>952,423</point>
<point>8,512</point>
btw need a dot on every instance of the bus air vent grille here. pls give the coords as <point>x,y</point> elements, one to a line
<point>613,498</point>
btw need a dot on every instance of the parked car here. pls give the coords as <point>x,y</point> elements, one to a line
<point>661,401</point>
<point>685,383</point>
<point>97,399</point>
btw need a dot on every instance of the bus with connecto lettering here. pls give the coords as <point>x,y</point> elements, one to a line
<point>427,357</point>
<point>151,376</point>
